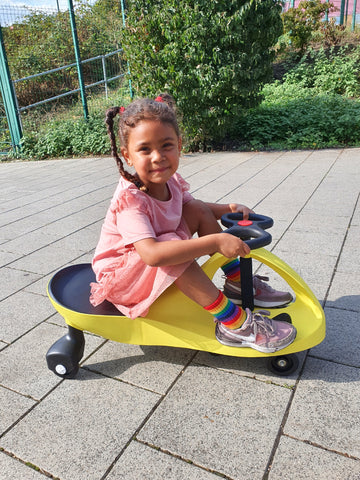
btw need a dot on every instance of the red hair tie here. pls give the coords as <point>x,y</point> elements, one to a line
<point>159,99</point>
<point>121,110</point>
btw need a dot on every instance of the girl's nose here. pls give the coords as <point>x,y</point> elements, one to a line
<point>157,156</point>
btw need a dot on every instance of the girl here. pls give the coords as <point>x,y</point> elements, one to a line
<point>146,240</point>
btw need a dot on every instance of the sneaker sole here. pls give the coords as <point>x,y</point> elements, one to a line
<point>259,348</point>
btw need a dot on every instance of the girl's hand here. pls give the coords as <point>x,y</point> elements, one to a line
<point>237,207</point>
<point>231,246</point>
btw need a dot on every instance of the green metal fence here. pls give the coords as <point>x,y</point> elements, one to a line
<point>99,74</point>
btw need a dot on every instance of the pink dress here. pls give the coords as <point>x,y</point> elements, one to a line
<point>122,277</point>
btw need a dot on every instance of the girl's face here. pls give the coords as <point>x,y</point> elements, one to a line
<point>153,150</point>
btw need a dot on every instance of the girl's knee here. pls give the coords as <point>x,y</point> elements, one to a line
<point>196,213</point>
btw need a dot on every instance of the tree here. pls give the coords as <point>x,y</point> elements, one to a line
<point>213,57</point>
<point>301,22</point>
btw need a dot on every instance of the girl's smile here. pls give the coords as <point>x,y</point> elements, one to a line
<point>153,150</point>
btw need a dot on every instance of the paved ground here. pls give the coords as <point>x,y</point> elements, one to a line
<point>152,413</point>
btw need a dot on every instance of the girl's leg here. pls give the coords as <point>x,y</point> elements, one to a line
<point>196,285</point>
<point>235,327</point>
<point>200,219</point>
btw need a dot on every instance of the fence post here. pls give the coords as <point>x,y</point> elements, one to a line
<point>9,99</point>
<point>342,12</point>
<point>353,17</point>
<point>128,65</point>
<point>78,59</point>
<point>327,13</point>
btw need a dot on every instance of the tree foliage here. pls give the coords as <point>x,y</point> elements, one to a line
<point>301,22</point>
<point>213,57</point>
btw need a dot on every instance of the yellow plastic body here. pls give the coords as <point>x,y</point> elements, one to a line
<point>175,320</point>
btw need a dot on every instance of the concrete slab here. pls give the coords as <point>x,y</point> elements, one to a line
<point>325,405</point>
<point>20,313</point>
<point>12,469</point>
<point>81,428</point>
<point>297,460</point>
<point>304,242</point>
<point>209,411</point>
<point>153,368</point>
<point>339,345</point>
<point>23,366</point>
<point>40,287</point>
<point>318,223</point>
<point>344,292</point>
<point>165,414</point>
<point>314,267</point>
<point>143,462</point>
<point>6,257</point>
<point>249,367</point>
<point>49,258</point>
<point>29,242</point>
<point>14,280</point>
<point>19,406</point>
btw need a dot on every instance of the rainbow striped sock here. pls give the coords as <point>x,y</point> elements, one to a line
<point>226,312</point>
<point>232,270</point>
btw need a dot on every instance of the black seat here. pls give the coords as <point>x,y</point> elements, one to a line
<point>70,287</point>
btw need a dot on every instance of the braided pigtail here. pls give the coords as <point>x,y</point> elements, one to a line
<point>109,120</point>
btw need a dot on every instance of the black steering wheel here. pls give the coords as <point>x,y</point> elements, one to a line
<point>251,231</point>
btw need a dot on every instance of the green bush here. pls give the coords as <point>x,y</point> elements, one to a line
<point>331,71</point>
<point>301,22</point>
<point>301,121</point>
<point>213,57</point>
<point>67,138</point>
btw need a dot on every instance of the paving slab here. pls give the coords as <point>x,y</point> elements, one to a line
<point>14,280</point>
<point>319,223</point>
<point>314,267</point>
<point>344,292</point>
<point>6,257</point>
<point>40,286</point>
<point>143,462</point>
<point>296,460</point>
<point>29,242</point>
<point>325,406</point>
<point>304,242</point>
<point>150,367</point>
<point>20,404</point>
<point>80,429</point>
<point>209,412</point>
<point>249,367</point>
<point>23,366</point>
<point>339,345</point>
<point>12,469</point>
<point>49,258</point>
<point>147,412</point>
<point>21,312</point>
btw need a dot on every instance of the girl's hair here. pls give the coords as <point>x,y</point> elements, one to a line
<point>161,109</point>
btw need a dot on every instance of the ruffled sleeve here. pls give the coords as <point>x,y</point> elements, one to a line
<point>133,216</point>
<point>185,187</point>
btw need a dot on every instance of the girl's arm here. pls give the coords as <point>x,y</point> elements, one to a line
<point>174,252</point>
<point>219,209</point>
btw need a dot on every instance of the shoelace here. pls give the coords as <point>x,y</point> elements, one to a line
<point>262,322</point>
<point>259,282</point>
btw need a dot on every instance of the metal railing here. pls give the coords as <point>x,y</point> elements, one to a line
<point>104,81</point>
